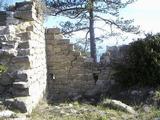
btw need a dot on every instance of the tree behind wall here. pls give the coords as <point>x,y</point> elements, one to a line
<point>141,64</point>
<point>87,12</point>
<point>1,4</point>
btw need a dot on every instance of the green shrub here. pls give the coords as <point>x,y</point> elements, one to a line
<point>2,69</point>
<point>141,64</point>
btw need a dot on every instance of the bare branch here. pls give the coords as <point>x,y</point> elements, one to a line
<point>110,22</point>
<point>86,41</point>
<point>66,9</point>
<point>122,25</point>
<point>76,30</point>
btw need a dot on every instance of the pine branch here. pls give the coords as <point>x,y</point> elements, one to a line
<point>74,30</point>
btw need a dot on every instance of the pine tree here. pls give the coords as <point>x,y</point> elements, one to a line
<point>87,12</point>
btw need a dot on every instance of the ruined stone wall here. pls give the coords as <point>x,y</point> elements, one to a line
<point>112,54</point>
<point>70,73</point>
<point>27,50</point>
<point>22,51</point>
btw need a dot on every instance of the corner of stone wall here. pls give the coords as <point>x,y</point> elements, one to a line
<point>22,51</point>
<point>70,73</point>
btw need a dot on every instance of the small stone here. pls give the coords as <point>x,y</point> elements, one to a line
<point>20,117</point>
<point>57,107</point>
<point>78,97</point>
<point>73,111</point>
<point>67,114</point>
<point>70,105</point>
<point>156,118</point>
<point>62,112</point>
<point>146,108</point>
<point>119,105</point>
<point>151,92</point>
<point>6,114</point>
<point>134,92</point>
<point>20,85</point>
<point>102,113</point>
<point>3,38</point>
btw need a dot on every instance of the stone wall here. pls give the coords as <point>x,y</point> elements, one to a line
<point>36,58</point>
<point>22,51</point>
<point>27,50</point>
<point>69,72</point>
<point>112,54</point>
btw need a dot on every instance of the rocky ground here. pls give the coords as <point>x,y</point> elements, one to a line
<point>74,111</point>
<point>84,111</point>
<point>105,110</point>
<point>133,104</point>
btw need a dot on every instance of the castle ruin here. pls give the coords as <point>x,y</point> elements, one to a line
<point>39,62</point>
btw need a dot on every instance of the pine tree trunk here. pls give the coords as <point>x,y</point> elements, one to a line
<point>92,34</point>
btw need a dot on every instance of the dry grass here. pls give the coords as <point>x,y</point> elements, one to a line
<point>65,111</point>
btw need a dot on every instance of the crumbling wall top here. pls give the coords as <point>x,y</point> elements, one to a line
<point>20,12</point>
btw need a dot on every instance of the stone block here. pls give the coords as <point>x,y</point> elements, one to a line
<point>16,92</point>
<point>62,41</point>
<point>70,47</point>
<point>20,59</point>
<point>6,79</point>
<point>57,37</point>
<point>3,16</point>
<point>21,75</point>
<point>49,37</point>
<point>23,104</point>
<point>35,28</point>
<point>3,38</point>
<point>26,15</point>
<point>23,6</point>
<point>2,30</point>
<point>8,53</point>
<point>18,103</point>
<point>2,88</point>
<point>20,85</point>
<point>2,23</point>
<point>20,66</point>
<point>8,45</point>
<point>24,45</point>
<point>52,31</point>
<point>25,36</point>
<point>23,52</point>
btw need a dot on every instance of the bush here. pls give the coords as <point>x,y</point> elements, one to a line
<point>141,64</point>
<point>2,69</point>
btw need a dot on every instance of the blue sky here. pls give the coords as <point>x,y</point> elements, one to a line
<point>12,1</point>
<point>145,13</point>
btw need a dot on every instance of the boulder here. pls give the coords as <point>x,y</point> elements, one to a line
<point>6,114</point>
<point>115,104</point>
